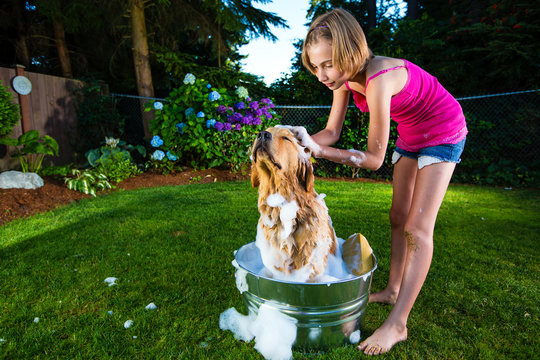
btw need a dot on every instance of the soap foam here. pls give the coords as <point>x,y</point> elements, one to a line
<point>273,331</point>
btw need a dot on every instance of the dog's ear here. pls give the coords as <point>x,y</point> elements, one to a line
<point>254,176</point>
<point>305,175</point>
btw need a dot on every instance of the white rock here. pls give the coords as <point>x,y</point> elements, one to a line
<point>20,180</point>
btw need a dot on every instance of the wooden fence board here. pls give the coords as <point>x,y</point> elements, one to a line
<point>52,112</point>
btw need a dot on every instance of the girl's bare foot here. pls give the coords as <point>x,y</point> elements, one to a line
<point>383,339</point>
<point>386,297</point>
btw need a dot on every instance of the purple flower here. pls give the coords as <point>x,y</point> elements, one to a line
<point>219,126</point>
<point>222,109</point>
<point>240,105</point>
<point>248,119</point>
<point>227,127</point>
<point>237,127</point>
<point>258,112</point>
<point>254,105</point>
<point>257,121</point>
<point>267,114</point>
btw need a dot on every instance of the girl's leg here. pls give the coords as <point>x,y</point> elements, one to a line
<point>431,184</point>
<point>403,185</point>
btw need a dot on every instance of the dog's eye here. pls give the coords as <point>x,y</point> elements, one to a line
<point>286,138</point>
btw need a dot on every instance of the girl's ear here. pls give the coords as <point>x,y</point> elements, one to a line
<point>254,176</point>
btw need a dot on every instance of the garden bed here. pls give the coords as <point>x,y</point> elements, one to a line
<point>18,203</point>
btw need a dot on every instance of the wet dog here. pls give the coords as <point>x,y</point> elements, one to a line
<point>294,233</point>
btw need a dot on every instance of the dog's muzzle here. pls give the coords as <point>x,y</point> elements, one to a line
<point>263,139</point>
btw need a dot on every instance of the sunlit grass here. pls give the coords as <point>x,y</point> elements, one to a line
<point>174,245</point>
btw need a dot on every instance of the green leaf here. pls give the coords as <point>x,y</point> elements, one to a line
<point>28,137</point>
<point>9,141</point>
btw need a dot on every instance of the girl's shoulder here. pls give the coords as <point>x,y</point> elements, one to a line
<point>381,63</point>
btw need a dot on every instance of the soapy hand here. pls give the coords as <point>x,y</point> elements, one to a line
<point>306,140</point>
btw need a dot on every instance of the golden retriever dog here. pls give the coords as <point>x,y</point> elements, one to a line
<point>294,233</point>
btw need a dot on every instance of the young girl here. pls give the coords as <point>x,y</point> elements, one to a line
<point>432,132</point>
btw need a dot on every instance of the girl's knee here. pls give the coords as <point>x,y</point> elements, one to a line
<point>398,217</point>
<point>418,238</point>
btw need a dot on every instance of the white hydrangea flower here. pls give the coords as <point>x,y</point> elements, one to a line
<point>189,79</point>
<point>242,92</point>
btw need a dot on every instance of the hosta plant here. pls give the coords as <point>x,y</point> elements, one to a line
<point>87,181</point>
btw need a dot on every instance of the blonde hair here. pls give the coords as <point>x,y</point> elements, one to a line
<point>350,51</point>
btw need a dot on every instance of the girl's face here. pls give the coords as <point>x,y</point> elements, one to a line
<point>320,55</point>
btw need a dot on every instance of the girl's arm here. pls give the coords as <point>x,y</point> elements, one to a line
<point>330,134</point>
<point>378,99</point>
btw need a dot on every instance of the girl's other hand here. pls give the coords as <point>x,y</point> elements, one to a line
<point>306,140</point>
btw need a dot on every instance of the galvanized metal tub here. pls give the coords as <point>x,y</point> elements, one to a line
<point>326,313</point>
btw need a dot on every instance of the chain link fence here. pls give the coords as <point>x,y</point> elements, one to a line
<point>500,146</point>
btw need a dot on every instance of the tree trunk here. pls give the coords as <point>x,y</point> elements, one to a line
<point>372,15</point>
<point>61,46</point>
<point>21,48</point>
<point>412,9</point>
<point>141,60</point>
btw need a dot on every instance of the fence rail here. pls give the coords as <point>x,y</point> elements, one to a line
<point>500,145</point>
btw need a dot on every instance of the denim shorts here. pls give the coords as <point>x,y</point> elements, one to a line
<point>432,154</point>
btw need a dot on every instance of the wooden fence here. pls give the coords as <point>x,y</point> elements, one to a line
<point>50,111</point>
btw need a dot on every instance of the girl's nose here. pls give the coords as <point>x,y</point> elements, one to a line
<point>321,75</point>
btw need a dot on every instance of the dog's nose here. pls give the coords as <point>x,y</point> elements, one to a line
<point>264,136</point>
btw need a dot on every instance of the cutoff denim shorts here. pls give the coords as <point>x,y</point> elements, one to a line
<point>433,154</point>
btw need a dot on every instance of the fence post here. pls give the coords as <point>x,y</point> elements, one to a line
<point>23,102</point>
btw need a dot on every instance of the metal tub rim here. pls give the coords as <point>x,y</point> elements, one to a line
<point>364,275</point>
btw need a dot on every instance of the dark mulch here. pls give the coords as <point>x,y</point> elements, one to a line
<point>20,203</point>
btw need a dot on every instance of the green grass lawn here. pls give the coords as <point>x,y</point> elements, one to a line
<point>174,245</point>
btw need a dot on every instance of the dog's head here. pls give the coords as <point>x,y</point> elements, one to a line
<point>278,157</point>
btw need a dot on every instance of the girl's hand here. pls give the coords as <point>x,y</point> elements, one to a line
<point>306,140</point>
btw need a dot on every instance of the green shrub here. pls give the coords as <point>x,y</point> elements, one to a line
<point>31,149</point>
<point>56,171</point>
<point>205,127</point>
<point>9,112</point>
<point>87,181</point>
<point>114,159</point>
<point>117,168</point>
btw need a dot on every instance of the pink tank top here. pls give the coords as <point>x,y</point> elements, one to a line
<point>426,113</point>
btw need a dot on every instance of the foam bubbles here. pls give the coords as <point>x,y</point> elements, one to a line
<point>241,283</point>
<point>273,331</point>
<point>111,281</point>
<point>354,338</point>
<point>358,158</point>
